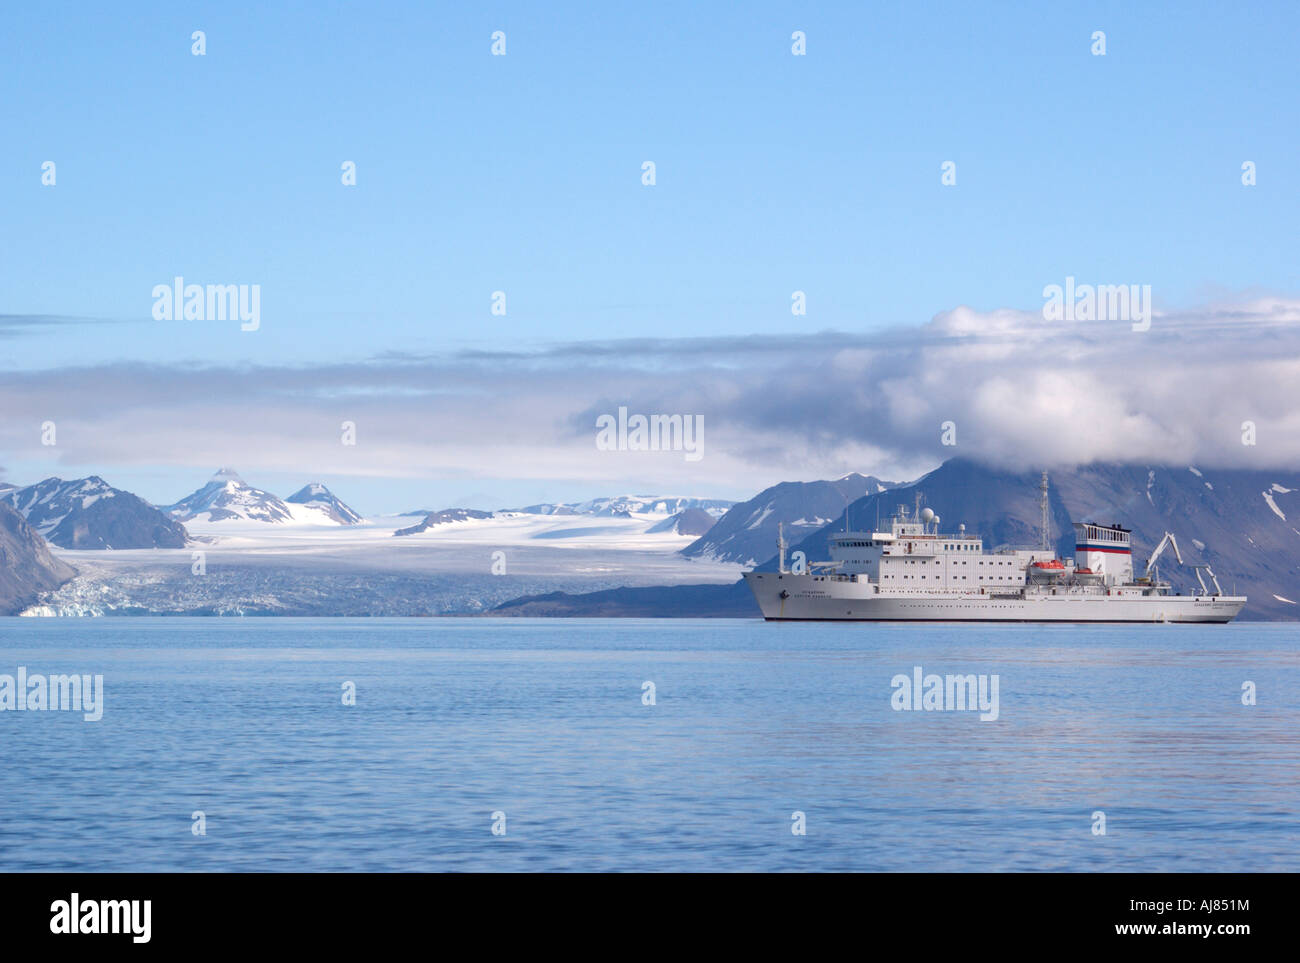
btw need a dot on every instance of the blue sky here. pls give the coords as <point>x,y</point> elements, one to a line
<point>522,173</point>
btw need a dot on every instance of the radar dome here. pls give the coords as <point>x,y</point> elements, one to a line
<point>936,519</point>
<point>927,515</point>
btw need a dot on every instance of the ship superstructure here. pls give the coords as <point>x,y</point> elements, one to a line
<point>915,571</point>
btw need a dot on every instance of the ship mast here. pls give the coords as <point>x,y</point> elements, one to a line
<point>1045,524</point>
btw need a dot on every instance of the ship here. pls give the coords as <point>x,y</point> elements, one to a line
<point>916,573</point>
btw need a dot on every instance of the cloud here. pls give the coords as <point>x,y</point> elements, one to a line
<point>1020,391</point>
<point>13,325</point>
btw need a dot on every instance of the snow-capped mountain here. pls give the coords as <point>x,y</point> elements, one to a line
<point>48,502</point>
<point>691,521</point>
<point>89,513</point>
<point>747,533</point>
<point>227,497</point>
<point>444,517</point>
<point>316,496</point>
<point>623,505</point>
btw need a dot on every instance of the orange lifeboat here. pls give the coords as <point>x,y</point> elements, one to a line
<point>1055,565</point>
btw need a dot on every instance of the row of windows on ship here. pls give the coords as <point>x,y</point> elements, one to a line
<point>1106,535</point>
<point>954,547</point>
<point>920,561</point>
<point>1005,575</point>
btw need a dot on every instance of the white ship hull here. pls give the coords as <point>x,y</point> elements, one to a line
<point>824,598</point>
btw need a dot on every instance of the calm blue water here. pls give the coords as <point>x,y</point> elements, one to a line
<point>456,719</point>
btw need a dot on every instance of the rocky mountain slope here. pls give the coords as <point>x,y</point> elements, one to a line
<point>748,531</point>
<point>691,521</point>
<point>26,566</point>
<point>444,517</point>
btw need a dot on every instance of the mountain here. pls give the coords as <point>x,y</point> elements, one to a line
<point>89,513</point>
<point>48,502</point>
<point>686,515</point>
<point>621,506</point>
<point>748,531</point>
<point>226,497</point>
<point>442,518</point>
<point>1244,523</point>
<point>548,508</point>
<point>123,522</point>
<point>320,498</point>
<point>691,521</point>
<point>26,566</point>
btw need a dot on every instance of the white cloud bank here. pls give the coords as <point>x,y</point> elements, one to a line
<point>1021,392</point>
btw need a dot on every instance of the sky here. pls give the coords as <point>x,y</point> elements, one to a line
<point>522,174</point>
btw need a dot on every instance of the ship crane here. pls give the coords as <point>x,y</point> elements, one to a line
<point>1167,541</point>
<point>1213,578</point>
<point>1170,541</point>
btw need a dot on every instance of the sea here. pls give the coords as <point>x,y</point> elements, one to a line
<point>486,744</point>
